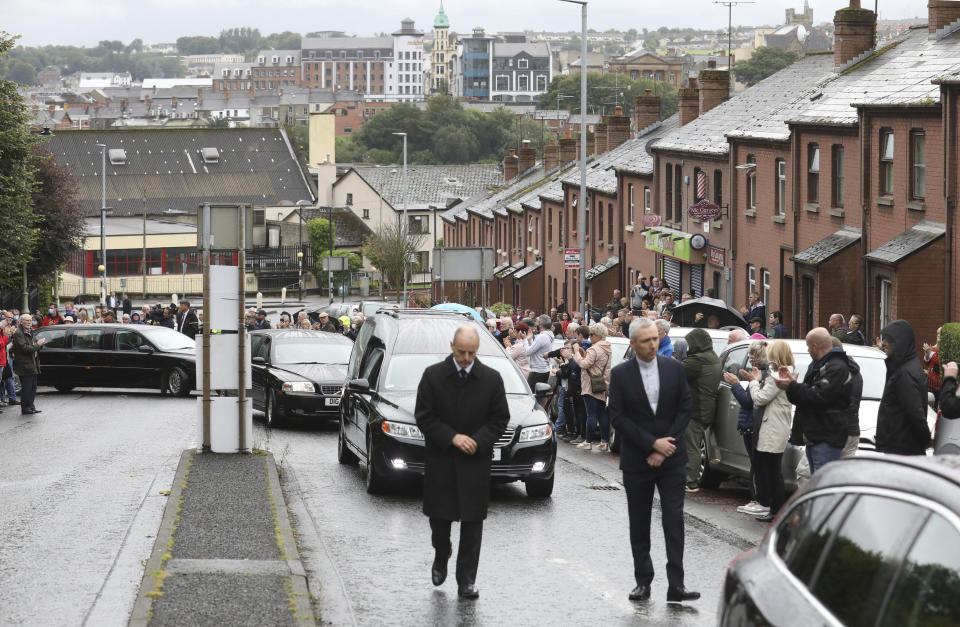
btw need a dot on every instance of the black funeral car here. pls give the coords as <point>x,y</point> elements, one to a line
<point>377,412</point>
<point>117,356</point>
<point>298,374</point>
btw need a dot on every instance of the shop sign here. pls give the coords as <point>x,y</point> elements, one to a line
<point>704,211</point>
<point>717,256</point>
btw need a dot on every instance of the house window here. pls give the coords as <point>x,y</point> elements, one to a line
<point>560,233</point>
<point>610,223</point>
<point>781,190</point>
<point>837,174</point>
<point>766,288</point>
<point>366,214</point>
<point>550,226</point>
<point>752,183</point>
<point>752,279</point>
<point>886,162</point>
<point>541,82</point>
<point>347,130</point>
<point>349,199</point>
<point>813,173</point>
<point>669,189</point>
<point>646,199</point>
<point>918,165</point>
<point>523,83</point>
<point>600,221</point>
<point>503,83</point>
<point>523,64</point>
<point>418,225</point>
<point>886,302</point>
<point>630,203</point>
<point>718,187</point>
<point>678,199</point>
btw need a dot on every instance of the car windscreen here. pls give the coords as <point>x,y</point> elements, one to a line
<point>872,369</point>
<point>306,352</point>
<point>167,339</point>
<point>371,308</point>
<point>405,371</point>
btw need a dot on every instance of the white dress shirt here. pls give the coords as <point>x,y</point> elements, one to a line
<point>459,369</point>
<point>650,375</point>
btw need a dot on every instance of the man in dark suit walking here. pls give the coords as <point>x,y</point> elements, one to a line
<point>462,411</point>
<point>187,321</point>
<point>649,406</point>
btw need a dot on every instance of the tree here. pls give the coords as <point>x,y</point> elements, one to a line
<point>239,40</point>
<point>386,250</point>
<point>17,183</point>
<point>59,216</point>
<point>319,234</point>
<point>762,63</point>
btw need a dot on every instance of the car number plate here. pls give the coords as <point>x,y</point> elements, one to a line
<point>332,402</point>
<point>496,454</point>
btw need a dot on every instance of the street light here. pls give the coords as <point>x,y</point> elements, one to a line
<point>403,227</point>
<point>582,213</point>
<point>300,274</point>
<point>300,204</point>
<point>103,222</point>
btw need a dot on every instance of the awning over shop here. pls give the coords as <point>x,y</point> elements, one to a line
<point>828,247</point>
<point>907,243</point>
<point>669,242</point>
<point>528,270</point>
<point>599,269</point>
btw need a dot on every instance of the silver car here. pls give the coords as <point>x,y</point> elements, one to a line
<point>725,454</point>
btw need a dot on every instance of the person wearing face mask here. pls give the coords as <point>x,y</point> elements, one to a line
<point>52,316</point>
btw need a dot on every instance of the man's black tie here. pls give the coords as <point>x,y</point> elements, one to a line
<point>463,374</point>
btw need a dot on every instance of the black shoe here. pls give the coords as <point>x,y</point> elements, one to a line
<point>640,593</point>
<point>439,570</point>
<point>681,594</point>
<point>30,411</point>
<point>468,591</point>
<point>561,432</point>
<point>766,518</point>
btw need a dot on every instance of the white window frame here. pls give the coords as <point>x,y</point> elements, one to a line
<point>647,199</point>
<point>523,82</point>
<point>886,304</point>
<point>751,279</point>
<point>523,64</point>
<point>630,201</point>
<point>541,82</point>
<point>765,276</point>
<point>781,207</point>
<point>505,77</point>
<point>918,165</point>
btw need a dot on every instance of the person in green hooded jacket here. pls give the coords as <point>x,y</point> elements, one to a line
<point>704,373</point>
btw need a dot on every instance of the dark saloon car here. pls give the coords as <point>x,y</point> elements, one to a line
<point>117,356</point>
<point>298,373</point>
<point>871,540</point>
<point>376,415</point>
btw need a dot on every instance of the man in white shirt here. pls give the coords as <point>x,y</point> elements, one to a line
<point>536,348</point>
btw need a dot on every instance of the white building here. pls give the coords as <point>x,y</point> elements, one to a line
<point>407,73</point>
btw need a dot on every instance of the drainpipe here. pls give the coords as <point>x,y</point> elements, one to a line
<point>731,211</point>
<point>947,100</point>
<point>864,138</point>
<point>795,195</point>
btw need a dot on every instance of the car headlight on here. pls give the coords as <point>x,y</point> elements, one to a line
<point>401,430</point>
<point>298,386</point>
<point>537,432</point>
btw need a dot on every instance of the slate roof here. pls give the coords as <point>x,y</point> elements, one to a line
<point>523,192</point>
<point>753,108</point>
<point>908,242</point>
<point>831,245</point>
<point>429,185</point>
<point>639,159</point>
<point>256,166</point>
<point>512,50</point>
<point>900,73</point>
<point>600,268</point>
<point>349,228</point>
<point>528,270</point>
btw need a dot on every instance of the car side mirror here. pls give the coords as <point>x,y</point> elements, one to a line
<point>359,386</point>
<point>143,348</point>
<point>259,361</point>
<point>542,390</point>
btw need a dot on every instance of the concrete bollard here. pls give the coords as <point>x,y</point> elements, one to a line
<point>283,295</point>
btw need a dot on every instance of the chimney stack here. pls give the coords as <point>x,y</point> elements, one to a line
<point>854,32</point>
<point>600,137</point>
<point>646,110</point>
<point>591,143</point>
<point>714,88</point>
<point>689,103</point>
<point>568,149</point>
<point>510,166</point>
<point>528,157</point>
<point>712,64</point>
<point>147,101</point>
<point>942,13</point>
<point>618,129</point>
<point>551,156</point>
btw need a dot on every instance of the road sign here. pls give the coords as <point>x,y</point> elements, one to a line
<point>571,258</point>
<point>651,220</point>
<point>336,264</point>
<point>704,210</point>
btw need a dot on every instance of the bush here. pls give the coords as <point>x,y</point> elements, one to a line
<point>950,343</point>
<point>501,309</point>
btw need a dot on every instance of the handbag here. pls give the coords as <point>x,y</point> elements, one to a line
<point>598,383</point>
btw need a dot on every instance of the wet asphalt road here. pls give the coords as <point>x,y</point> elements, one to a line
<point>80,502</point>
<point>563,561</point>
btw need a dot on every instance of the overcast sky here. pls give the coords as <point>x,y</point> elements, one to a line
<point>86,22</point>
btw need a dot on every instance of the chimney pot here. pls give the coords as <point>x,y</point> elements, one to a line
<point>648,91</point>
<point>712,64</point>
<point>942,13</point>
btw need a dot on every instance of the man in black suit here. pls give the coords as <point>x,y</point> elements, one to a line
<point>649,406</point>
<point>462,411</point>
<point>187,321</point>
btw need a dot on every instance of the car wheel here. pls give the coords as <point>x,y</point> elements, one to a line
<point>539,488</point>
<point>344,454</point>
<point>270,415</point>
<point>710,479</point>
<point>178,382</point>
<point>376,483</point>
<point>63,387</point>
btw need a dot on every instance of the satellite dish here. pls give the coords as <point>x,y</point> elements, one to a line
<point>802,33</point>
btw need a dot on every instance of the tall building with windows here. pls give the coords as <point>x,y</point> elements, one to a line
<point>407,83</point>
<point>443,55</point>
<point>490,69</point>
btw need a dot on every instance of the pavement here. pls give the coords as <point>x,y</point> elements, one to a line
<point>225,553</point>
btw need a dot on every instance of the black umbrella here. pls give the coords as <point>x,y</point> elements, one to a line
<point>685,313</point>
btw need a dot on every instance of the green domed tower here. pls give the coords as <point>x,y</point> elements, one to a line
<point>442,49</point>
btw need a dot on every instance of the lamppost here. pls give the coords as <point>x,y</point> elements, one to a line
<point>103,223</point>
<point>582,213</point>
<point>300,275</point>
<point>403,227</point>
<point>300,204</point>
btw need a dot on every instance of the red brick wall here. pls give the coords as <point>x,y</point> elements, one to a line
<point>919,291</point>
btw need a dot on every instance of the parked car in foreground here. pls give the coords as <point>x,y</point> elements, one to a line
<point>717,336</point>
<point>298,373</point>
<point>872,540</point>
<point>724,451</point>
<point>377,421</point>
<point>117,356</point>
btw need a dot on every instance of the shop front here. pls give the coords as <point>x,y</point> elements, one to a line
<point>679,259</point>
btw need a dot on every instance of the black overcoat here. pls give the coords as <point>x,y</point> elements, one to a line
<point>456,486</point>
